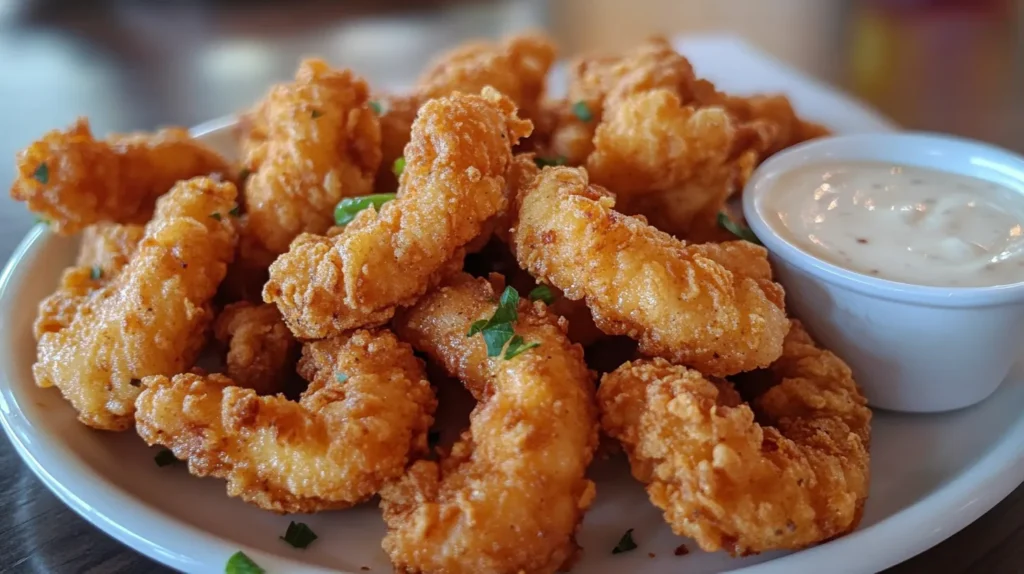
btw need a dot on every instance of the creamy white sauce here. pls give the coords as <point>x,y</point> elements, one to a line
<point>902,223</point>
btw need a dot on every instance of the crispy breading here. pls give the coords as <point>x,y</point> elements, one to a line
<point>601,83</point>
<point>517,67</point>
<point>261,350</point>
<point>676,300</point>
<point>73,180</point>
<point>651,142</point>
<point>108,247</point>
<point>311,142</point>
<point>365,414</point>
<point>453,183</point>
<point>798,478</point>
<point>151,317</point>
<point>104,251</point>
<point>511,492</point>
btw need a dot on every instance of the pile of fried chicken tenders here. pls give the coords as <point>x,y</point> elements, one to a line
<point>573,263</point>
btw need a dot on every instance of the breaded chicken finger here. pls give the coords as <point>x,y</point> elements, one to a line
<point>676,300</point>
<point>796,477</point>
<point>73,180</point>
<point>511,493</point>
<point>365,414</point>
<point>261,350</point>
<point>453,183</point>
<point>148,320</point>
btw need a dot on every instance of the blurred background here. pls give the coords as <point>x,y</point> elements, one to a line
<point>947,65</point>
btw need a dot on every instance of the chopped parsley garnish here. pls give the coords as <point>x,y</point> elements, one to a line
<point>316,114</point>
<point>234,212</point>
<point>625,543</point>
<point>42,173</point>
<point>542,293</point>
<point>347,208</point>
<point>42,220</point>
<point>378,108</point>
<point>239,563</point>
<point>165,458</point>
<point>517,346</point>
<point>96,272</point>
<point>340,377</point>
<point>582,111</point>
<point>398,167</point>
<point>498,330</point>
<point>216,216</point>
<point>298,535</point>
<point>741,231</point>
<point>543,162</point>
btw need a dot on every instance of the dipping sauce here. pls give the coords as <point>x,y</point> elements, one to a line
<point>902,223</point>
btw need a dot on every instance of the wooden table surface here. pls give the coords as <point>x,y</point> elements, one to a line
<point>130,66</point>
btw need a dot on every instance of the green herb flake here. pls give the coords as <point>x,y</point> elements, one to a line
<point>625,544</point>
<point>377,107</point>
<point>542,293</point>
<point>340,377</point>
<point>42,173</point>
<point>398,167</point>
<point>736,229</point>
<point>239,563</point>
<point>42,220</point>
<point>582,111</point>
<point>299,535</point>
<point>495,337</point>
<point>517,346</point>
<point>347,208</point>
<point>235,212</point>
<point>498,330</point>
<point>96,272</point>
<point>216,216</point>
<point>165,458</point>
<point>316,114</point>
<point>543,162</point>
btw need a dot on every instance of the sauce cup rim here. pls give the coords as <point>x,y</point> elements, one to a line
<point>816,151</point>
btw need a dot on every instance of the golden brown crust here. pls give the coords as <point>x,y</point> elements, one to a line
<point>261,350</point>
<point>73,180</point>
<point>453,183</point>
<point>729,482</point>
<point>517,67</point>
<point>510,494</point>
<point>310,143</point>
<point>676,300</point>
<point>150,318</point>
<point>365,414</point>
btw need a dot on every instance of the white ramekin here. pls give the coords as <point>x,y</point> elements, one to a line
<point>912,348</point>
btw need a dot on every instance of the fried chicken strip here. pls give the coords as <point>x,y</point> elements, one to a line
<point>150,318</point>
<point>676,300</point>
<point>74,180</point>
<point>510,494</point>
<point>105,250</point>
<point>261,350</point>
<point>798,478</point>
<point>312,142</point>
<point>600,84</point>
<point>517,67</point>
<point>366,412</point>
<point>453,183</point>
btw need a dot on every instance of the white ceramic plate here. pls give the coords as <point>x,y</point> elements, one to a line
<point>931,475</point>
